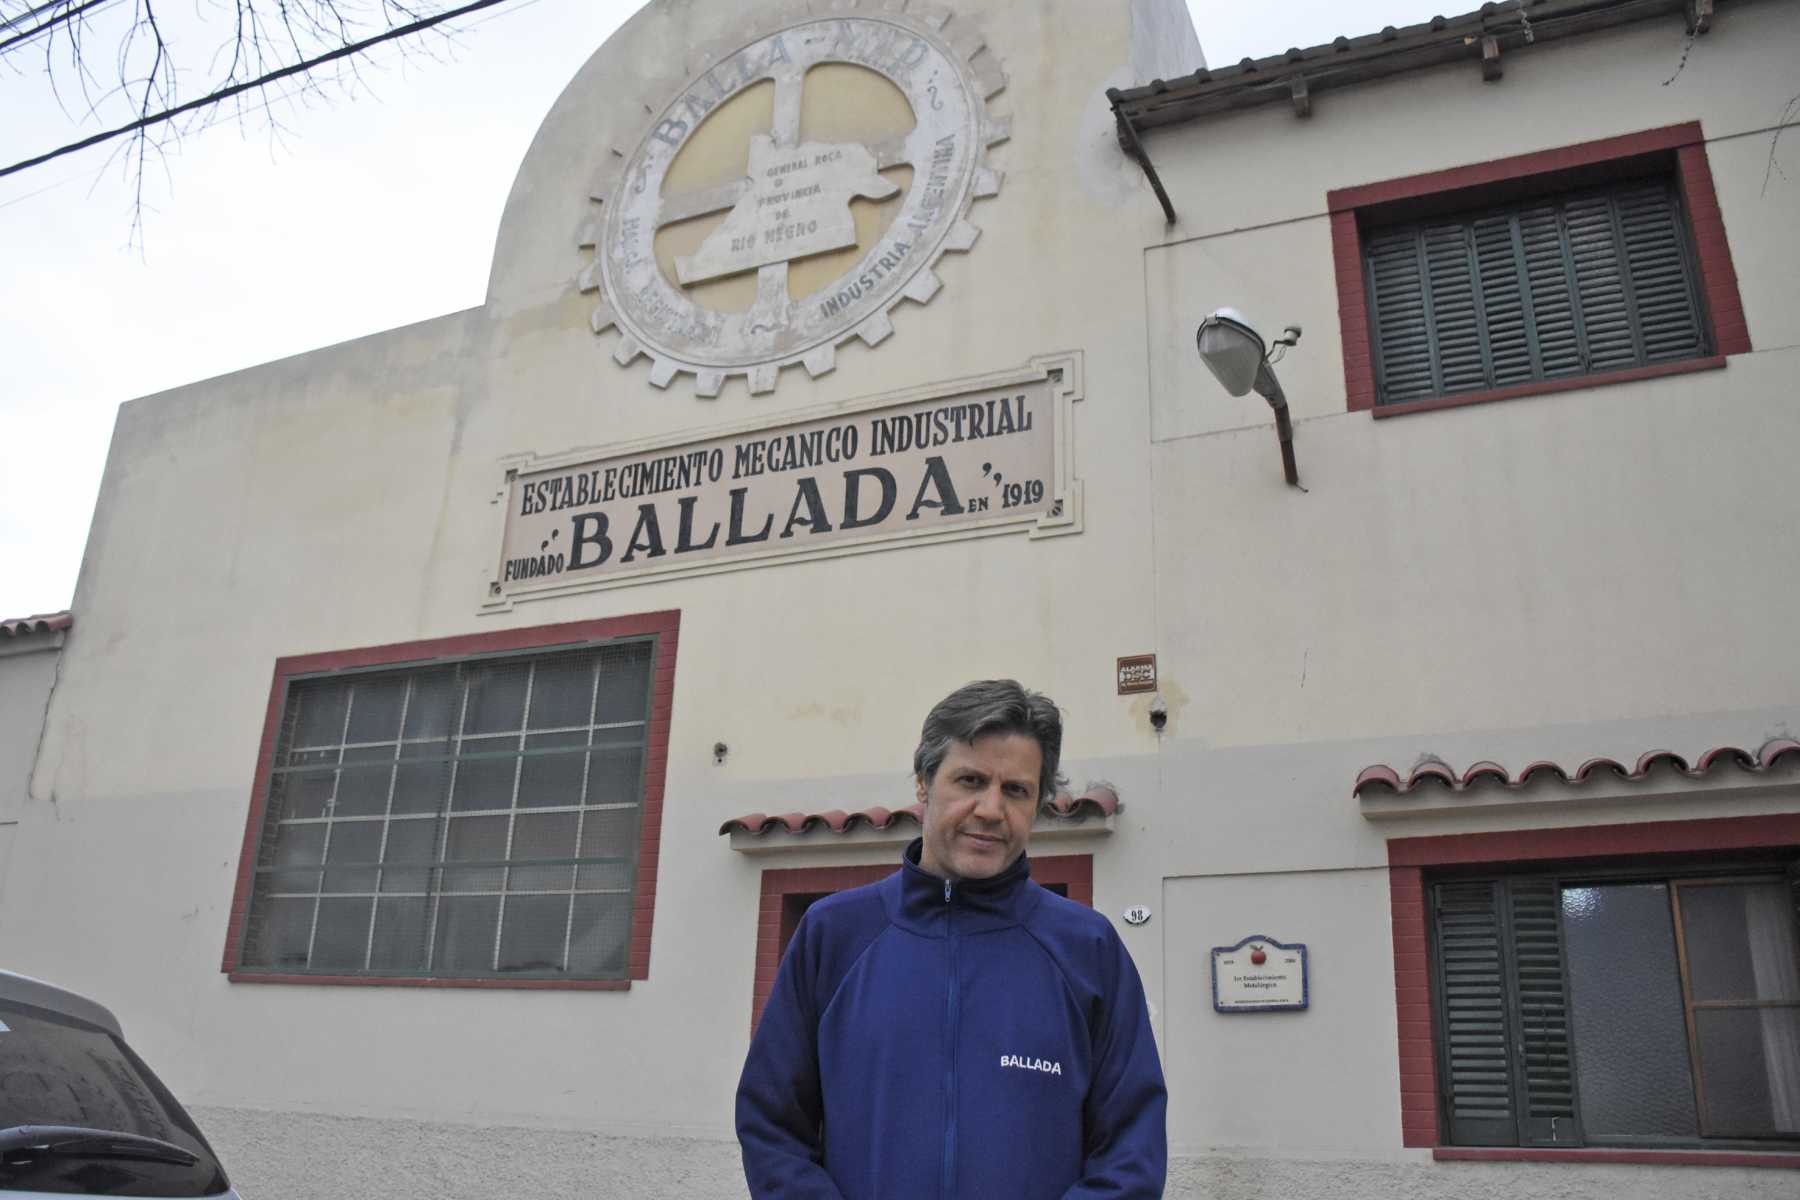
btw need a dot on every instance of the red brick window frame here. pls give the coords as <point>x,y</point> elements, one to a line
<point>664,626</point>
<point>1680,149</point>
<point>787,892</point>
<point>1411,859</point>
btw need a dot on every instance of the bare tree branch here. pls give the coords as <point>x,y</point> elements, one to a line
<point>262,55</point>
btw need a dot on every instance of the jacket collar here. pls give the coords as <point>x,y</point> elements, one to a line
<point>919,902</point>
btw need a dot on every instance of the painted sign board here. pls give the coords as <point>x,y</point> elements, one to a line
<point>975,456</point>
<point>1259,974</point>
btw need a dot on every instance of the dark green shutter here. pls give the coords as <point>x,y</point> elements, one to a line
<point>1600,282</point>
<point>1544,1064</point>
<point>1455,309</point>
<point>1476,1078</point>
<point>1573,285</point>
<point>1403,356</point>
<point>1668,318</point>
<point>1505,302</point>
<point>1507,1072</point>
<point>1556,320</point>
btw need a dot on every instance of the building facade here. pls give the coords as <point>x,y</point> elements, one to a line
<point>455,722</point>
<point>29,653</point>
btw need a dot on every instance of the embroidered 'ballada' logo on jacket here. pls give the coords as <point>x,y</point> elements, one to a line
<point>1031,1064</point>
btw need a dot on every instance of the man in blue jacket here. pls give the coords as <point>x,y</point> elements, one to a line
<point>956,1031</point>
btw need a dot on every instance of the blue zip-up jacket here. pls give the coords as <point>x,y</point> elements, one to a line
<point>977,1040</point>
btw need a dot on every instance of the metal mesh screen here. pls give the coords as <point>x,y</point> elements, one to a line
<point>473,819</point>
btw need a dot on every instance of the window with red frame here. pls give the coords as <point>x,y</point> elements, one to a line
<point>461,818</point>
<point>1560,286</point>
<point>1619,1007</point>
<point>1600,262</point>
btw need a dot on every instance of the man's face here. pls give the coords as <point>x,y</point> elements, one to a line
<point>980,805</point>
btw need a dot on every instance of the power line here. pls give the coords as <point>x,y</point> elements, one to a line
<point>32,12</point>
<point>61,18</point>
<point>48,187</point>
<point>237,89</point>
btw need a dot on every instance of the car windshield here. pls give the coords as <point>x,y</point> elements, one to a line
<point>61,1081</point>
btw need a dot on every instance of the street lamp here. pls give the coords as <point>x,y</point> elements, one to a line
<point>1238,359</point>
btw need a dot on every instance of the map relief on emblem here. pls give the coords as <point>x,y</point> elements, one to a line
<point>792,192</point>
<point>798,204</point>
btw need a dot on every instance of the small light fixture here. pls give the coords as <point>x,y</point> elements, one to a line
<point>1238,358</point>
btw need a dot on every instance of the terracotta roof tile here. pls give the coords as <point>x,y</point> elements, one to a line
<point>1099,800</point>
<point>1434,771</point>
<point>834,820</point>
<point>1535,769</point>
<point>1738,758</point>
<point>40,623</point>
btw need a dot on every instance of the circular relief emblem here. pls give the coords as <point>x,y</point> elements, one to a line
<point>792,207</point>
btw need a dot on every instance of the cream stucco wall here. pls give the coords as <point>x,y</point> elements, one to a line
<point>27,677</point>
<point>1593,573</point>
<point>1598,572</point>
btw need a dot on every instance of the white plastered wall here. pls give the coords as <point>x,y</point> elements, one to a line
<point>27,677</point>
<point>1576,575</point>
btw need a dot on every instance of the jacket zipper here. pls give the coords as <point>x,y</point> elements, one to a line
<point>950,1062</point>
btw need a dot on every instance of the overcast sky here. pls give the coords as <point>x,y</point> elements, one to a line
<point>360,216</point>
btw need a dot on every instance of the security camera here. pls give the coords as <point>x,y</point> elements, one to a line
<point>1159,714</point>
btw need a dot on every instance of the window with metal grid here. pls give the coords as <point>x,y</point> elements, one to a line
<point>1620,1008</point>
<point>1558,287</point>
<point>472,819</point>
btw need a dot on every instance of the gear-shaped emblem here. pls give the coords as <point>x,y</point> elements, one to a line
<point>794,201</point>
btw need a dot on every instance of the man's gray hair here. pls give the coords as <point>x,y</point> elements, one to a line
<point>992,706</point>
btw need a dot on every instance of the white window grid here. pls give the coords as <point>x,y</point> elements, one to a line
<point>439,864</point>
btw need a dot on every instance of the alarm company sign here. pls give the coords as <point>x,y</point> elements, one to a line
<point>979,456</point>
<point>794,202</point>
